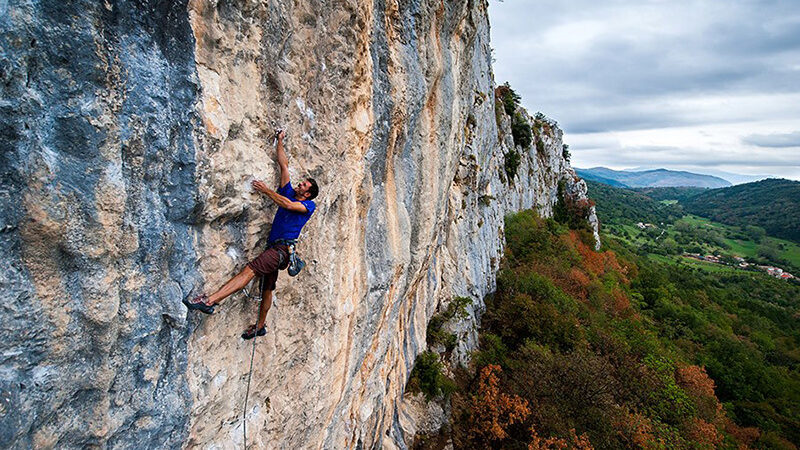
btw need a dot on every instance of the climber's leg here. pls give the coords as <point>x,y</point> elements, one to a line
<point>234,284</point>
<point>266,304</point>
<point>267,286</point>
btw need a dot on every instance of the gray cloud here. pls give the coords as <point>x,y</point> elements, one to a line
<point>601,68</point>
<point>693,48</point>
<point>778,140</point>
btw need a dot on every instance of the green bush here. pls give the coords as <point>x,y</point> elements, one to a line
<point>669,403</point>
<point>427,377</point>
<point>509,98</point>
<point>492,351</point>
<point>521,131</point>
<point>512,161</point>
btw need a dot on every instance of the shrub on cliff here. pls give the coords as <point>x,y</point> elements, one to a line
<point>521,131</point>
<point>427,377</point>
<point>571,212</point>
<point>511,164</point>
<point>509,98</point>
<point>520,128</point>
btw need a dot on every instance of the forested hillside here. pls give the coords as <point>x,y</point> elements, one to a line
<point>620,206</point>
<point>680,193</point>
<point>585,349</point>
<point>772,204</point>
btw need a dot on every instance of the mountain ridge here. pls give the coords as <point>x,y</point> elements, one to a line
<point>652,178</point>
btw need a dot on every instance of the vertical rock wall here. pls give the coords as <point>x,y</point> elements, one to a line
<point>97,206</point>
<point>131,132</point>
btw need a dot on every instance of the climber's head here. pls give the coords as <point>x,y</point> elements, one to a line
<point>307,190</point>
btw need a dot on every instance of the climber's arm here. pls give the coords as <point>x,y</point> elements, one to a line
<point>283,162</point>
<point>279,200</point>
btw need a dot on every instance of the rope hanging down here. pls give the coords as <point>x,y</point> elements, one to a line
<point>247,393</point>
<point>250,372</point>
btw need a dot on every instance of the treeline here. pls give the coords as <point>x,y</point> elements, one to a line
<point>772,204</point>
<point>680,194</point>
<point>582,349</point>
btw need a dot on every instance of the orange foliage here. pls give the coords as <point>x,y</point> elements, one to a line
<point>579,277</point>
<point>613,264</point>
<point>621,302</point>
<point>579,282</point>
<point>704,433</point>
<point>573,282</point>
<point>593,261</point>
<point>597,263</point>
<point>492,410</point>
<point>553,443</point>
<point>695,381</point>
<point>637,429</point>
<point>745,436</point>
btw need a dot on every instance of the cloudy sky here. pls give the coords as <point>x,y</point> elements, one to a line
<point>700,85</point>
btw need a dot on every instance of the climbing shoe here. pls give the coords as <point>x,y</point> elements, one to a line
<point>251,332</point>
<point>200,304</point>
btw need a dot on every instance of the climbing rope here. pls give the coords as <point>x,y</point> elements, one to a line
<point>247,393</point>
<point>252,356</point>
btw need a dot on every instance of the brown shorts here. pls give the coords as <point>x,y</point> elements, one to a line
<point>268,263</point>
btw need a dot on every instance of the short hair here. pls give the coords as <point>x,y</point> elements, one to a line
<point>314,189</point>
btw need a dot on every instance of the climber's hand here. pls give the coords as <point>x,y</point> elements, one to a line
<point>260,186</point>
<point>280,134</point>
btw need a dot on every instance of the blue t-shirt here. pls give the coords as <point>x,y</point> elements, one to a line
<point>287,224</point>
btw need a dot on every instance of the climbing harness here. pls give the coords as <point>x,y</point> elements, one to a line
<point>295,263</point>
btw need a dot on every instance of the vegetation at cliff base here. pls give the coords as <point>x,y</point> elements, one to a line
<point>610,349</point>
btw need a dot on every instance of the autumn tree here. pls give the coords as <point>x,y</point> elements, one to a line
<point>493,411</point>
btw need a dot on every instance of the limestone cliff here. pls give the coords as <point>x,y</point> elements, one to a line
<point>130,132</point>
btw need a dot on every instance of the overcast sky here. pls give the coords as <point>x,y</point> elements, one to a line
<point>703,85</point>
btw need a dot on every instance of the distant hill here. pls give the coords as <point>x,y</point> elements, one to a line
<point>773,204</point>
<point>651,178</point>
<point>735,178</point>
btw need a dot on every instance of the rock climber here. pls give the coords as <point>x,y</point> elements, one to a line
<point>295,207</point>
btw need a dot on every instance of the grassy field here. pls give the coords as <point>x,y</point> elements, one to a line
<point>707,266</point>
<point>730,240</point>
<point>748,248</point>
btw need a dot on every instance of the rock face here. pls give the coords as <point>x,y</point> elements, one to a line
<point>130,132</point>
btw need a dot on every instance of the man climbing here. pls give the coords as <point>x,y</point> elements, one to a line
<point>295,206</point>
